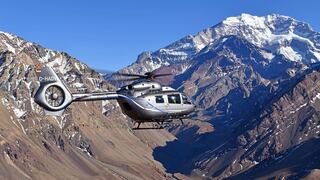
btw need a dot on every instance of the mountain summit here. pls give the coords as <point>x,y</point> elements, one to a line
<point>275,34</point>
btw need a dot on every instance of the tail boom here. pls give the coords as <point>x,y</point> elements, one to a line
<point>95,96</point>
<point>54,97</point>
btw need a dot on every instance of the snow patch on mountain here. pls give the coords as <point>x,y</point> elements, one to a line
<point>10,48</point>
<point>316,54</point>
<point>290,54</point>
<point>19,113</point>
<point>267,55</point>
<point>258,22</point>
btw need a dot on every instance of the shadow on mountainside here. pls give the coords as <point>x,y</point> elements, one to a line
<point>177,156</point>
<point>300,159</point>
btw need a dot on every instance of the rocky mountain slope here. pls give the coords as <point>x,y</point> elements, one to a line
<point>91,140</point>
<point>254,80</point>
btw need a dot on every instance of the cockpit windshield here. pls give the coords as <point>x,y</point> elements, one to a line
<point>185,99</point>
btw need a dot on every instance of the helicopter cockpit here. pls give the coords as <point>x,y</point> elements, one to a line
<point>185,99</point>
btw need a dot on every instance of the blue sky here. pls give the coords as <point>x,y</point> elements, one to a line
<point>110,34</point>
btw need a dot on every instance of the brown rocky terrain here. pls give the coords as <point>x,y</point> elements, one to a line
<point>92,140</point>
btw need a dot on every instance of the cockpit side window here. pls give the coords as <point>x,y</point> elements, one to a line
<point>174,99</point>
<point>159,99</point>
<point>185,100</point>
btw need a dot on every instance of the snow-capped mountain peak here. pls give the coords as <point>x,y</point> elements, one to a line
<point>277,34</point>
<point>254,21</point>
<point>267,30</point>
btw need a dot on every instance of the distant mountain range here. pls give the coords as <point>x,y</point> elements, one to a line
<point>256,82</point>
<point>104,72</point>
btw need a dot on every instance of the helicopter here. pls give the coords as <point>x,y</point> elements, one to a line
<point>143,100</point>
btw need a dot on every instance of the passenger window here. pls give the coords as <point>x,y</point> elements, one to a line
<point>185,100</point>
<point>159,99</point>
<point>174,99</point>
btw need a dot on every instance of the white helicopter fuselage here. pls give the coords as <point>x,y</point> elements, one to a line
<point>155,105</point>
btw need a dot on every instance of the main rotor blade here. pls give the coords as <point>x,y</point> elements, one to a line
<point>130,75</point>
<point>160,75</point>
<point>124,80</point>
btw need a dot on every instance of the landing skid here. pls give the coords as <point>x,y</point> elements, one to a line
<point>147,128</point>
<point>156,125</point>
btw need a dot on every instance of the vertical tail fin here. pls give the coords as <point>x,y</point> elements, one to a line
<point>52,94</point>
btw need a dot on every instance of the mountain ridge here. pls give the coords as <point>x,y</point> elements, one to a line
<point>189,45</point>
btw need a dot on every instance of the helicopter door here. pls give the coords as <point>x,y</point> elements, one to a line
<point>174,102</point>
<point>160,102</point>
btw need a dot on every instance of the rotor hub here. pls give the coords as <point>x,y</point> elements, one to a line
<point>54,96</point>
<point>146,76</point>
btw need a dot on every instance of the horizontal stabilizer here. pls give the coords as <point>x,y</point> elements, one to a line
<point>54,113</point>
